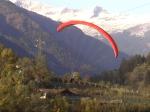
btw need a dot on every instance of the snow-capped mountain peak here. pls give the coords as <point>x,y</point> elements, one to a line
<point>140,30</point>
<point>109,21</point>
<point>22,3</point>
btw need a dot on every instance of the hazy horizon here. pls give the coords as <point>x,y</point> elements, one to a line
<point>123,6</point>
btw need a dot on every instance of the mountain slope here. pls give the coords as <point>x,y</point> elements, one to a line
<point>70,50</point>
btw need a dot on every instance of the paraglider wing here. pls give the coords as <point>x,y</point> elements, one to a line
<point>103,32</point>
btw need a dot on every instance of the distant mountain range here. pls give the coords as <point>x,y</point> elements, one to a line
<point>112,22</point>
<point>27,33</point>
<point>135,40</point>
<point>131,32</point>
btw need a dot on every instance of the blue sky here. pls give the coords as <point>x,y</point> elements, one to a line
<point>128,6</point>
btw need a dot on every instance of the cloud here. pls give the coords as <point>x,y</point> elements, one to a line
<point>97,11</point>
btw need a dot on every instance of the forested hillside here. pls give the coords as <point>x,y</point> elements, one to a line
<point>27,85</point>
<point>134,72</point>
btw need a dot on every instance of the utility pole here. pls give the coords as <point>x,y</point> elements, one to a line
<point>40,43</point>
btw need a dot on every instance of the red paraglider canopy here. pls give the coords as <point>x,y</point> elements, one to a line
<point>103,32</point>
